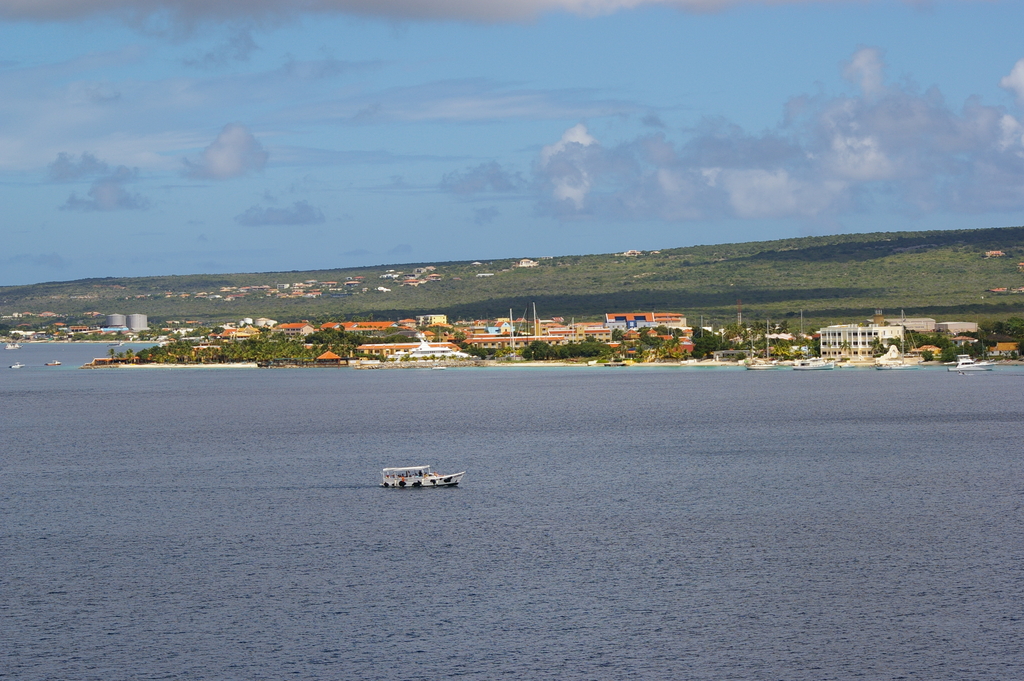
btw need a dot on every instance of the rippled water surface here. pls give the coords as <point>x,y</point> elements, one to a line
<point>639,523</point>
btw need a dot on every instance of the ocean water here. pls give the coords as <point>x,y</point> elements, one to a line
<point>637,523</point>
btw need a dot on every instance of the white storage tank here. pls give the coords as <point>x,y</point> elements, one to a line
<point>137,322</point>
<point>115,320</point>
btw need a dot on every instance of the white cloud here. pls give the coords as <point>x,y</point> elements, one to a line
<point>759,193</point>
<point>565,165</point>
<point>577,134</point>
<point>486,177</point>
<point>890,145</point>
<point>299,213</point>
<point>865,69</point>
<point>235,152</point>
<point>860,158</point>
<point>67,168</point>
<point>1015,81</point>
<point>108,193</point>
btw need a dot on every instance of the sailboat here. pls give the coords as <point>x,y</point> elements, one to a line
<point>766,363</point>
<point>893,359</point>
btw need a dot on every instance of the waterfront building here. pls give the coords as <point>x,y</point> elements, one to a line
<point>421,350</point>
<point>854,341</point>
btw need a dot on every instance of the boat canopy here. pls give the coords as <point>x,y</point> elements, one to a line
<point>407,470</point>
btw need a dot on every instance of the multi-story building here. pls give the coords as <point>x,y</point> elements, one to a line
<point>431,319</point>
<point>629,320</point>
<point>918,324</point>
<point>855,341</point>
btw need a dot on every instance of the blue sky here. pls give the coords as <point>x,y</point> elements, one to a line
<point>145,137</point>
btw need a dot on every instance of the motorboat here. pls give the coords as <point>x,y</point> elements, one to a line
<point>762,366</point>
<point>12,346</point>
<point>967,363</point>
<point>417,476</point>
<point>54,363</point>
<point>17,365</point>
<point>813,364</point>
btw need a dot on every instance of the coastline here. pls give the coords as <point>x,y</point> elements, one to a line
<point>232,365</point>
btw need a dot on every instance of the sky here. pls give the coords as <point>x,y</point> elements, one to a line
<point>153,137</point>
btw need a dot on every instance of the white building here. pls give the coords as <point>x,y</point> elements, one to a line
<point>957,327</point>
<point>853,341</point>
<point>919,324</point>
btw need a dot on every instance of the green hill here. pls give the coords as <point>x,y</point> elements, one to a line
<point>941,274</point>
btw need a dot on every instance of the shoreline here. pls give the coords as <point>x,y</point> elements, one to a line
<point>231,365</point>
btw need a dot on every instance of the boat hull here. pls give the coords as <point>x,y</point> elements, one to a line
<point>424,482</point>
<point>814,366</point>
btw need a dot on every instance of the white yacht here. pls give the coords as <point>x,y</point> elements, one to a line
<point>760,365</point>
<point>427,350</point>
<point>417,476</point>
<point>813,364</point>
<point>17,365</point>
<point>967,363</point>
<point>12,346</point>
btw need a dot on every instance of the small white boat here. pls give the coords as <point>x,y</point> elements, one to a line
<point>417,476</point>
<point>762,366</point>
<point>813,364</point>
<point>896,367</point>
<point>12,346</point>
<point>54,363</point>
<point>17,365</point>
<point>967,363</point>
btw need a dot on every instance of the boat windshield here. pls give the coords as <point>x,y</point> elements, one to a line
<point>406,472</point>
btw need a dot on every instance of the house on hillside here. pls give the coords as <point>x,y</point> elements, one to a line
<point>370,328</point>
<point>297,329</point>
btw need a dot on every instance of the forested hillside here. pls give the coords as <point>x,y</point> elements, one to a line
<point>941,274</point>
